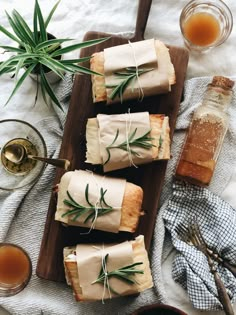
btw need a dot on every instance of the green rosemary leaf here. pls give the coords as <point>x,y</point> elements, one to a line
<point>132,135</point>
<point>69,212</point>
<point>72,201</point>
<point>108,156</point>
<point>101,270</point>
<point>143,141</point>
<point>116,136</point>
<point>124,274</point>
<point>79,214</point>
<point>92,211</point>
<point>102,199</point>
<point>130,267</point>
<point>87,195</point>
<point>126,78</point>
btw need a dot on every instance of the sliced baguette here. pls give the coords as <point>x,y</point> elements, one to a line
<point>97,64</point>
<point>130,210</point>
<point>144,281</point>
<point>160,132</point>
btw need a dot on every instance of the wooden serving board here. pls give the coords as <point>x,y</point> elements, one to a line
<point>150,177</point>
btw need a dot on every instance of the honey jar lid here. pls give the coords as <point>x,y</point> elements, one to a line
<point>223,82</point>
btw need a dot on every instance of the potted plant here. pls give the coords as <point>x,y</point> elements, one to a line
<point>38,52</point>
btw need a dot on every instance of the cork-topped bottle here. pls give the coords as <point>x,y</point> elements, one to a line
<point>206,133</point>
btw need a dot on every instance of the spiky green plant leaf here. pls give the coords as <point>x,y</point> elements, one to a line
<point>20,81</point>
<point>23,28</point>
<point>51,14</point>
<point>48,89</point>
<point>35,51</point>
<point>42,28</point>
<point>78,46</point>
<point>10,35</point>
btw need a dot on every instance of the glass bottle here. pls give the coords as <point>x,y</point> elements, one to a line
<point>206,134</point>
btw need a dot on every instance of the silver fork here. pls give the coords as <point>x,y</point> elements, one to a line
<point>193,234</point>
<point>183,232</point>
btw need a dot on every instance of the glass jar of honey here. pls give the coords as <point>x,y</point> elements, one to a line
<point>206,134</point>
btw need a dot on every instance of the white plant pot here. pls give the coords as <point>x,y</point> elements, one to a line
<point>51,77</point>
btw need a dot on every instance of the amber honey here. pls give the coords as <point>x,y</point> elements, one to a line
<point>202,29</point>
<point>198,157</point>
<point>15,268</point>
<point>206,133</point>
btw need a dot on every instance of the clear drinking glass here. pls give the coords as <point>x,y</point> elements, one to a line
<point>15,269</point>
<point>12,130</point>
<point>205,24</point>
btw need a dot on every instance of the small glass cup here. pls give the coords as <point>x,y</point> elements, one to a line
<point>15,269</point>
<point>205,24</point>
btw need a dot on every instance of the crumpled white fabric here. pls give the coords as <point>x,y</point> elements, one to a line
<point>21,220</point>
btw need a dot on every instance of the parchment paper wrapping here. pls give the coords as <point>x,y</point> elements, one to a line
<point>143,55</point>
<point>126,124</point>
<point>114,197</point>
<point>89,262</point>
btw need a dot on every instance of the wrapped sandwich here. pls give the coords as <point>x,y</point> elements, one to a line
<point>98,202</point>
<point>124,140</point>
<point>132,71</point>
<point>100,280</point>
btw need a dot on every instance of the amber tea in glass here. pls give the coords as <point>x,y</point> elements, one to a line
<point>15,269</point>
<point>205,24</point>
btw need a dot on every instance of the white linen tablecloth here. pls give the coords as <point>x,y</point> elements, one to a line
<point>73,19</point>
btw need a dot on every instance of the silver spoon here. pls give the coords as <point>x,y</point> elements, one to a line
<point>16,153</point>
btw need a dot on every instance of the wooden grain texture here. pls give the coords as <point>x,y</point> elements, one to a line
<point>150,177</point>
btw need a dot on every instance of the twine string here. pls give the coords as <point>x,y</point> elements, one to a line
<point>106,284</point>
<point>141,93</point>
<point>97,203</point>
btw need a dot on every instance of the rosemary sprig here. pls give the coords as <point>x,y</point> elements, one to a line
<point>93,211</point>
<point>125,77</point>
<point>143,141</point>
<point>124,274</point>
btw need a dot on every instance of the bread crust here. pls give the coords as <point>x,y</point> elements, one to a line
<point>144,281</point>
<point>130,208</point>
<point>97,65</point>
<point>160,134</point>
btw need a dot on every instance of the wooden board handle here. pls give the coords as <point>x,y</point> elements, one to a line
<point>142,17</point>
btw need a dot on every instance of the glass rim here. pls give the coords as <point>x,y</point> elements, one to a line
<point>44,149</point>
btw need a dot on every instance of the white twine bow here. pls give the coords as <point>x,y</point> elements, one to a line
<point>105,271</point>
<point>97,203</point>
